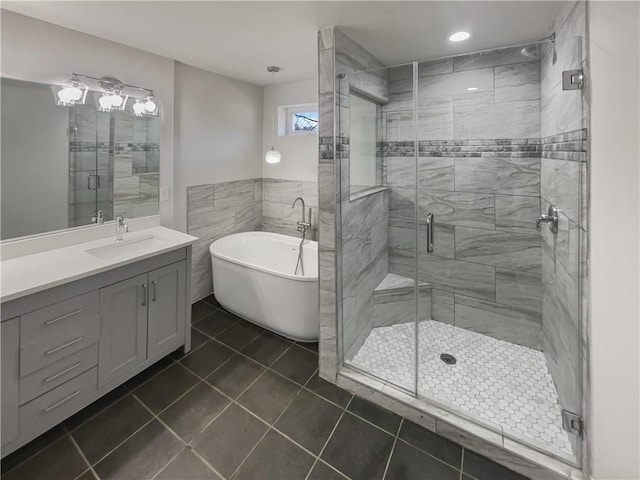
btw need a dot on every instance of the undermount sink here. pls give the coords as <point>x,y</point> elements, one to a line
<point>126,248</point>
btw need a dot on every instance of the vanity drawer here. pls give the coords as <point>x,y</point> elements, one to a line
<point>53,407</point>
<point>68,314</point>
<point>56,346</point>
<point>57,373</point>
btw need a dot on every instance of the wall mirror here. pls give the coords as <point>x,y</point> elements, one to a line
<point>61,166</point>
<point>365,159</point>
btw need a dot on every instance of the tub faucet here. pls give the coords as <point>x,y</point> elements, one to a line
<point>121,227</point>
<point>303,225</point>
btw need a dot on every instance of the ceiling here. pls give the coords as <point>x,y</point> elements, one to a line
<point>240,39</point>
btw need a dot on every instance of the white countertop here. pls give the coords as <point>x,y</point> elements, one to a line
<point>28,274</point>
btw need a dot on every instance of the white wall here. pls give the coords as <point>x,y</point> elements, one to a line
<point>614,43</point>
<point>299,152</point>
<point>41,52</point>
<point>35,161</point>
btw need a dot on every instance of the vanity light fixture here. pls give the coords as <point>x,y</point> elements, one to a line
<point>273,156</point>
<point>74,92</point>
<point>459,36</point>
<point>472,89</point>
<point>110,95</point>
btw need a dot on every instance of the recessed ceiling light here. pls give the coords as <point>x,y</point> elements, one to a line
<point>472,89</point>
<point>459,36</point>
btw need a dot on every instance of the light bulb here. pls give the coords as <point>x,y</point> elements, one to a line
<point>472,89</point>
<point>138,108</point>
<point>70,94</point>
<point>116,100</point>
<point>150,106</point>
<point>273,156</point>
<point>105,102</point>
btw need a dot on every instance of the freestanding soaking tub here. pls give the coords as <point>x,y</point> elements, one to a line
<point>253,277</point>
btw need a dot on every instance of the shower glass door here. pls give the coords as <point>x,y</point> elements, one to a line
<point>499,143</point>
<point>377,155</point>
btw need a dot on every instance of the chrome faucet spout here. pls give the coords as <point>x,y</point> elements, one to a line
<point>303,206</point>
<point>121,227</point>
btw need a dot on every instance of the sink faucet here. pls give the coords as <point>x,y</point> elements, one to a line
<point>121,227</point>
<point>99,218</point>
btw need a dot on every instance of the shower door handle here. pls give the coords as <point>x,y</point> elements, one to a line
<point>430,220</point>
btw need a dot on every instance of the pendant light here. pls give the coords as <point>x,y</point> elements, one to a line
<point>273,156</point>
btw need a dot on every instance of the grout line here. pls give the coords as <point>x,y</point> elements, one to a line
<point>386,467</point>
<point>75,444</point>
<point>462,464</point>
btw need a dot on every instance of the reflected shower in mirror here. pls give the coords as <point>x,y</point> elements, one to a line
<point>62,165</point>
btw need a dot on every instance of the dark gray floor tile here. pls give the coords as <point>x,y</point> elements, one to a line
<point>194,411</point>
<point>275,457</point>
<point>240,334</point>
<point>211,300</point>
<point>329,391</point>
<point>297,363</point>
<point>199,310</point>
<point>30,449</point>
<point>142,455</point>
<point>269,396</point>
<point>187,466</point>
<point>236,375</point>
<point>149,372</point>
<point>309,420</point>
<point>61,460</point>
<point>104,432</point>
<point>433,444</point>
<point>163,389</point>
<point>197,339</point>
<point>88,475</point>
<point>96,407</point>
<point>229,439</point>
<point>482,468</point>
<point>266,348</point>
<point>313,346</point>
<point>358,449</point>
<point>207,358</point>
<point>378,416</point>
<point>216,322</point>
<point>409,463</point>
<point>321,471</point>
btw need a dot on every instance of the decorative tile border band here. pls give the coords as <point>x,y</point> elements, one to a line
<point>571,146</point>
<point>500,147</point>
<point>76,147</point>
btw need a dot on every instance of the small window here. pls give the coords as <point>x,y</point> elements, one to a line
<point>300,119</point>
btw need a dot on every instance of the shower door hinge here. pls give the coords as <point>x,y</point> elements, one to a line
<point>572,422</point>
<point>572,80</point>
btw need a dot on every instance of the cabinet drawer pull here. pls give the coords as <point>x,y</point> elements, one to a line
<point>68,344</point>
<point>59,374</point>
<point>154,283</point>
<point>144,294</point>
<point>55,320</point>
<point>64,400</point>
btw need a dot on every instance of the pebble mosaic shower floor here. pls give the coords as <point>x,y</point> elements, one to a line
<point>499,382</point>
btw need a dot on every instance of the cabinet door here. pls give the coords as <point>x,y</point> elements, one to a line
<point>10,377</point>
<point>123,328</point>
<point>167,308</point>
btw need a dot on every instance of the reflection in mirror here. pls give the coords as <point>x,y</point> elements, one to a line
<point>365,161</point>
<point>62,165</point>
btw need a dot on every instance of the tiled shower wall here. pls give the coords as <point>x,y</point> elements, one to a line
<point>479,174</point>
<point>564,183</point>
<point>220,209</point>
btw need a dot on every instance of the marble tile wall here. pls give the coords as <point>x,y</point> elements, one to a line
<point>214,211</point>
<point>278,216</point>
<point>564,173</point>
<point>479,173</point>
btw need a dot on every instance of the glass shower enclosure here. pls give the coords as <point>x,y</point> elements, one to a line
<point>461,224</point>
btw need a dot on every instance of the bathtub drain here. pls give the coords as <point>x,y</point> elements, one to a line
<point>448,359</point>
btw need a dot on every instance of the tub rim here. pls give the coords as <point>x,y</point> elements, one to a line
<point>289,276</point>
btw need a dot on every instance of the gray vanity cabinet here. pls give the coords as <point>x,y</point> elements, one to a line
<point>141,317</point>
<point>10,379</point>
<point>123,328</point>
<point>167,297</point>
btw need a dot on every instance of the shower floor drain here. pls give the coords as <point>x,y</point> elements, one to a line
<point>448,359</point>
